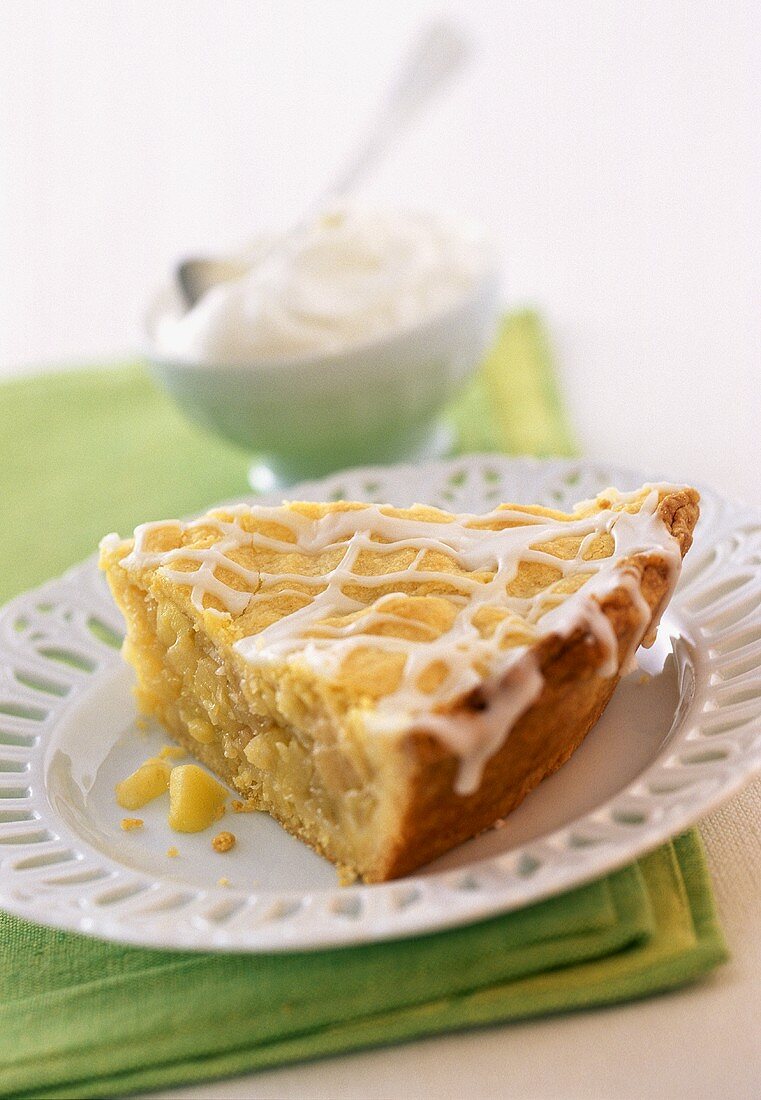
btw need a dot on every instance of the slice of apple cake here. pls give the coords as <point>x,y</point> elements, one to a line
<point>387,682</point>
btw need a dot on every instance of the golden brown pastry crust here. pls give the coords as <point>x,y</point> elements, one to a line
<point>549,732</point>
<point>423,815</point>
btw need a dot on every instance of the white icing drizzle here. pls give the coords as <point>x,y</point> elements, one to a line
<point>507,680</point>
<point>476,737</point>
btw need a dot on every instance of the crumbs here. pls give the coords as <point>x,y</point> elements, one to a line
<point>196,799</point>
<point>171,752</point>
<point>223,842</point>
<point>141,787</point>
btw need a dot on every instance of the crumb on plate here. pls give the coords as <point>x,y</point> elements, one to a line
<point>172,752</point>
<point>149,781</point>
<point>172,852</point>
<point>223,842</point>
<point>196,799</point>
<point>130,823</point>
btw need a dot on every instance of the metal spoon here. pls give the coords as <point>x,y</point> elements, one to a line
<point>440,51</point>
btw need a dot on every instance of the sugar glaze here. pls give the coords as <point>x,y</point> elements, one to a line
<point>507,680</point>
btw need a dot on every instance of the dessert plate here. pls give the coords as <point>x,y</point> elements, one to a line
<point>680,735</point>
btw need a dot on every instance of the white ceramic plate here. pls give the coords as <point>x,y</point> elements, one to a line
<point>670,747</point>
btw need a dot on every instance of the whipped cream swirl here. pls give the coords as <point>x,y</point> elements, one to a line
<point>350,277</point>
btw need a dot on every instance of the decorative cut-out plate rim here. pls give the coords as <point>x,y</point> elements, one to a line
<point>58,645</point>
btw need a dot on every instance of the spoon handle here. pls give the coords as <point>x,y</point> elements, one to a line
<point>440,51</point>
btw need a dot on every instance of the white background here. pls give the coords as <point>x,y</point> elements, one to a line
<point>611,146</point>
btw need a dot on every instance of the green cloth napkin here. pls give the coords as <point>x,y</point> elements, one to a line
<point>82,1018</point>
<point>87,452</point>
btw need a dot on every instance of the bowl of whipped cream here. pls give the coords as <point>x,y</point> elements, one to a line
<point>342,345</point>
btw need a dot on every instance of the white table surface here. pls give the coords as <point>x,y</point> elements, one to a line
<point>612,147</point>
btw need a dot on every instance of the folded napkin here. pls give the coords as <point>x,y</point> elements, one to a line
<point>87,452</point>
<point>81,1018</point>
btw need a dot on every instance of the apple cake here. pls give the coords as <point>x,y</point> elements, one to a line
<point>387,682</point>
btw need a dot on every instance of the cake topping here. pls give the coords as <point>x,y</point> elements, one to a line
<point>453,602</point>
<point>348,277</point>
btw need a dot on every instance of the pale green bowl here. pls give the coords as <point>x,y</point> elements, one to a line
<point>373,403</point>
